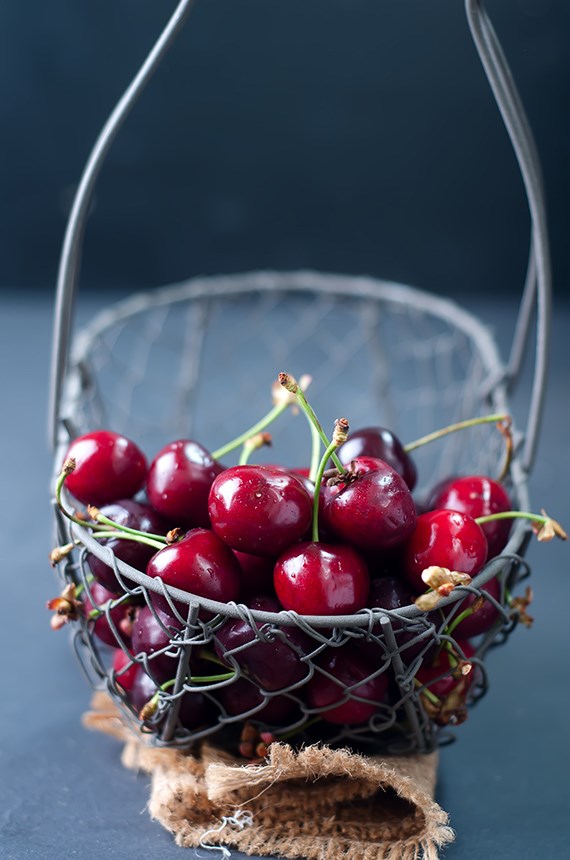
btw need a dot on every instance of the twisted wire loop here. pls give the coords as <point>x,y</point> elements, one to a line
<point>156,367</point>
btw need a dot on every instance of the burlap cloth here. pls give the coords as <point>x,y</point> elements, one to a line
<point>316,803</point>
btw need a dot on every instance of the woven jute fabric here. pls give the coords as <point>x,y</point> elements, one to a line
<point>316,803</point>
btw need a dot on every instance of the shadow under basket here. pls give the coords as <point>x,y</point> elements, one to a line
<point>197,360</point>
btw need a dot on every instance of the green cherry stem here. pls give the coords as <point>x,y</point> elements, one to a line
<point>547,528</point>
<point>281,404</point>
<point>100,518</point>
<point>67,469</point>
<point>139,537</point>
<point>340,435</point>
<point>290,383</point>
<point>453,428</point>
<point>253,444</point>
<point>315,452</point>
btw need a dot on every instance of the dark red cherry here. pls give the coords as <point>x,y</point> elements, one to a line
<point>374,510</point>
<point>122,616</point>
<point>347,667</point>
<point>259,510</point>
<point>382,444</point>
<point>274,662</point>
<point>179,480</point>
<point>257,573</point>
<point>153,631</point>
<point>483,618</point>
<point>194,707</point>
<point>108,466</point>
<point>444,539</point>
<point>124,669</point>
<point>479,496</point>
<point>134,515</point>
<point>315,578</point>
<point>142,689</point>
<point>242,696</point>
<point>200,564</point>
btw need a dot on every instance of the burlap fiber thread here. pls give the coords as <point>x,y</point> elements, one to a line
<point>316,803</point>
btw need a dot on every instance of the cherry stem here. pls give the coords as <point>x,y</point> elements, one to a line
<point>315,452</point>
<point>291,384</point>
<point>431,697</point>
<point>513,515</point>
<point>457,621</point>
<point>96,515</point>
<point>253,444</point>
<point>257,428</point>
<point>453,428</point>
<point>139,537</point>
<point>58,488</point>
<point>340,435</point>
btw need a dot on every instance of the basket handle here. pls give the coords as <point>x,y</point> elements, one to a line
<point>538,278</point>
<point>537,287</point>
<point>70,259</point>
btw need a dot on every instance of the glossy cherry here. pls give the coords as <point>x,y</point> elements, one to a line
<point>274,662</point>
<point>347,666</point>
<point>134,515</point>
<point>201,564</point>
<point>259,510</point>
<point>194,707</point>
<point>479,496</point>
<point>445,539</point>
<point>316,578</point>
<point>179,480</point>
<point>374,510</point>
<point>108,466</point>
<point>382,444</point>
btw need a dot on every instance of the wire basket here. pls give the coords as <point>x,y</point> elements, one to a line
<point>196,360</point>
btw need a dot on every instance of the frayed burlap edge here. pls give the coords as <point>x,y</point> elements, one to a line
<point>316,803</point>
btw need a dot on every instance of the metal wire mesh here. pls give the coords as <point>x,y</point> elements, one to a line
<point>197,361</point>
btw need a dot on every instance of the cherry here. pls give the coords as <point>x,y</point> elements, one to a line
<point>445,539</point>
<point>382,444</point>
<point>179,480</point>
<point>134,515</point>
<point>200,564</point>
<point>257,573</point>
<point>108,467</point>
<point>259,510</point>
<point>479,496</point>
<point>153,630</point>
<point>481,619</point>
<point>273,663</point>
<point>373,509</point>
<point>315,578</point>
<point>242,696</point>
<point>122,615</point>
<point>347,667</point>
<point>124,669</point>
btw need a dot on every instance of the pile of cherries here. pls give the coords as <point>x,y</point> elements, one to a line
<point>343,536</point>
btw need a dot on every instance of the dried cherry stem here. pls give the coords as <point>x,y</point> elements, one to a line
<point>454,428</point>
<point>290,384</point>
<point>340,435</point>
<point>545,527</point>
<point>281,404</point>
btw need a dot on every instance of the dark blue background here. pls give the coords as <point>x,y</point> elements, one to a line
<point>345,135</point>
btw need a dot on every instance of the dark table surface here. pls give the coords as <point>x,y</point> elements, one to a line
<point>63,790</point>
